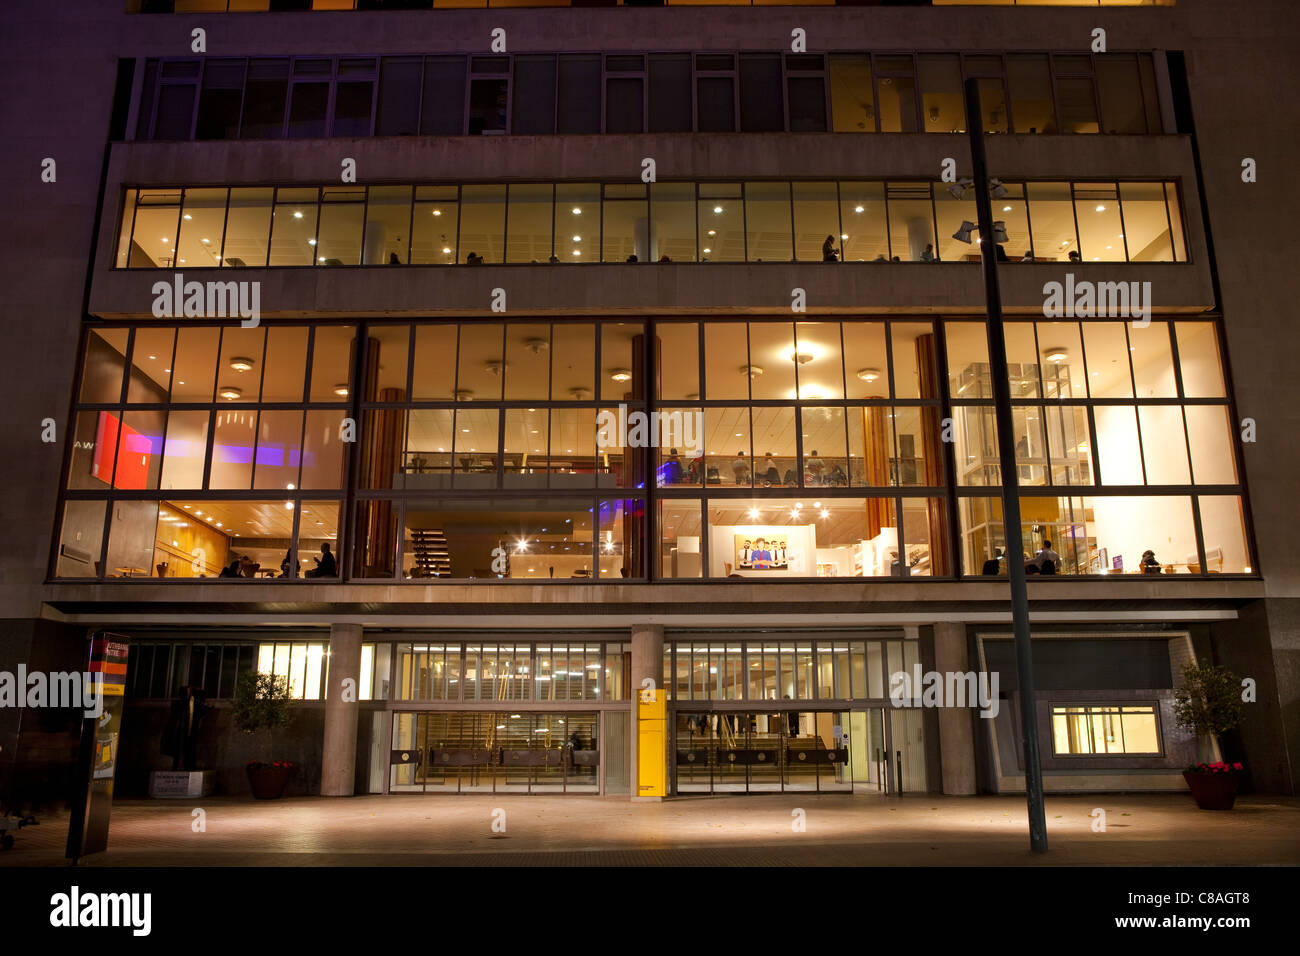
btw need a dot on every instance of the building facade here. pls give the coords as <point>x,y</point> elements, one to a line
<point>484,371</point>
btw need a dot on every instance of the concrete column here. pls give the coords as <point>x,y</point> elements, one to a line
<point>956,731</point>
<point>339,753</point>
<point>647,661</point>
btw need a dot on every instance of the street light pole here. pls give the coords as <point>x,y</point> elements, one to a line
<point>1001,381</point>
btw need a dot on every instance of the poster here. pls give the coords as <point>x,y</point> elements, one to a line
<point>766,552</point>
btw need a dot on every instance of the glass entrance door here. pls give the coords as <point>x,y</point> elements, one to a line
<point>747,752</point>
<point>483,752</point>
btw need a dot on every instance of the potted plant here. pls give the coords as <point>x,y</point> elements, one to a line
<point>261,705</point>
<point>1209,704</point>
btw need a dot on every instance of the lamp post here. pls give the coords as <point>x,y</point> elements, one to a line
<point>1001,382</point>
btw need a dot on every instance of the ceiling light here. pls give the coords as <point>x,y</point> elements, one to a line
<point>753,513</point>
<point>579,393</point>
<point>1100,208</point>
<point>716,210</point>
<point>297,214</point>
<point>437,212</point>
<point>240,363</point>
<point>620,375</point>
<point>577,252</point>
<point>713,232</point>
<point>803,358</point>
<point>341,390</point>
<point>753,371</point>
<point>707,251</point>
<point>825,513</point>
<point>857,209</point>
<point>446,250</point>
<point>288,506</point>
<point>844,236</point>
<point>963,231</point>
<point>495,366</point>
<point>187,217</point>
<point>869,374</point>
<point>464,395</point>
<point>229,391</point>
<point>1056,354</point>
<point>205,241</point>
<point>289,486</point>
<point>577,210</point>
<point>1006,208</point>
<point>577,238</point>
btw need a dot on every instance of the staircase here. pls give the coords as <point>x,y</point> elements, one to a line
<point>432,560</point>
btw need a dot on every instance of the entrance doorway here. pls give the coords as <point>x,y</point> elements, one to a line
<point>483,752</point>
<point>806,750</point>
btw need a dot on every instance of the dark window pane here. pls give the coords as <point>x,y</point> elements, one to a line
<point>761,109</point>
<point>807,104</point>
<point>264,98</point>
<point>579,96</point>
<point>1120,89</point>
<point>490,64</point>
<point>624,64</point>
<point>534,92</point>
<point>443,112</point>
<point>487,106</point>
<point>148,93</point>
<point>623,105</point>
<point>307,109</point>
<point>175,111</point>
<point>352,104</point>
<point>1152,104</point>
<point>1030,85</point>
<point>717,104</point>
<point>1078,108</point>
<point>399,97</point>
<point>179,69</point>
<point>223,88</point>
<point>715,61</point>
<point>670,93</point>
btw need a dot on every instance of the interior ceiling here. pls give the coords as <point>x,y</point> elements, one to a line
<point>256,519</point>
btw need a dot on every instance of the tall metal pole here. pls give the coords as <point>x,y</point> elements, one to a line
<point>1001,381</point>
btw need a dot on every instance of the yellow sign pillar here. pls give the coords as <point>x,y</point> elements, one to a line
<point>651,737</point>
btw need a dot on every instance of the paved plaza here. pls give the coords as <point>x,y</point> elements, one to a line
<point>839,830</point>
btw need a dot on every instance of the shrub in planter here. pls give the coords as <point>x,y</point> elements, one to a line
<point>1208,704</point>
<point>261,705</point>
<point>1213,785</point>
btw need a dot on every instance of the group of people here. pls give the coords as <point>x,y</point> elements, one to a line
<point>326,567</point>
<point>767,473</point>
<point>1045,561</point>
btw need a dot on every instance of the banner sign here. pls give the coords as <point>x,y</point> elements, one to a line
<point>93,801</point>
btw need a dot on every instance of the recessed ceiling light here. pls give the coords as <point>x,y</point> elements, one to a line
<point>621,375</point>
<point>341,390</point>
<point>205,241</point>
<point>713,232</point>
<point>577,252</point>
<point>803,358</point>
<point>241,363</point>
<point>187,217</point>
<point>1100,208</point>
<point>577,238</point>
<point>228,391</point>
<point>164,238</point>
<point>577,210</point>
<point>311,242</point>
<point>869,374</point>
<point>857,209</point>
<point>1056,354</point>
<point>153,356</point>
<point>297,214</point>
<point>437,212</point>
<point>717,209</point>
<point>1006,208</point>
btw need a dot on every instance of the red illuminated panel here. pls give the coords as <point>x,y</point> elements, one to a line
<point>133,466</point>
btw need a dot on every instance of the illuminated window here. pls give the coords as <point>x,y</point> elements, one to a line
<point>1105,729</point>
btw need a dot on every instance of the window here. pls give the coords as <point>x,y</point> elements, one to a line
<point>1105,729</point>
<point>534,93</point>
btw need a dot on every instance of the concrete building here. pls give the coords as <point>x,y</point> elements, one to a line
<point>503,376</point>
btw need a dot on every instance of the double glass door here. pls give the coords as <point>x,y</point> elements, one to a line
<point>483,752</point>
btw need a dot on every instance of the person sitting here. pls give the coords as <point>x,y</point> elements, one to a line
<point>740,469</point>
<point>289,566</point>
<point>999,253</point>
<point>837,477</point>
<point>993,566</point>
<point>1046,561</point>
<point>632,258</point>
<point>814,466</point>
<point>325,566</point>
<point>828,250</point>
<point>1029,256</point>
<point>927,254</point>
<point>665,258</point>
<point>1149,564</point>
<point>1074,257</point>
<point>473,259</point>
<point>672,469</point>
<point>231,570</point>
<point>770,475</point>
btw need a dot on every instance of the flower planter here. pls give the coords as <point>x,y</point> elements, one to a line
<point>1212,791</point>
<point>268,780</point>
